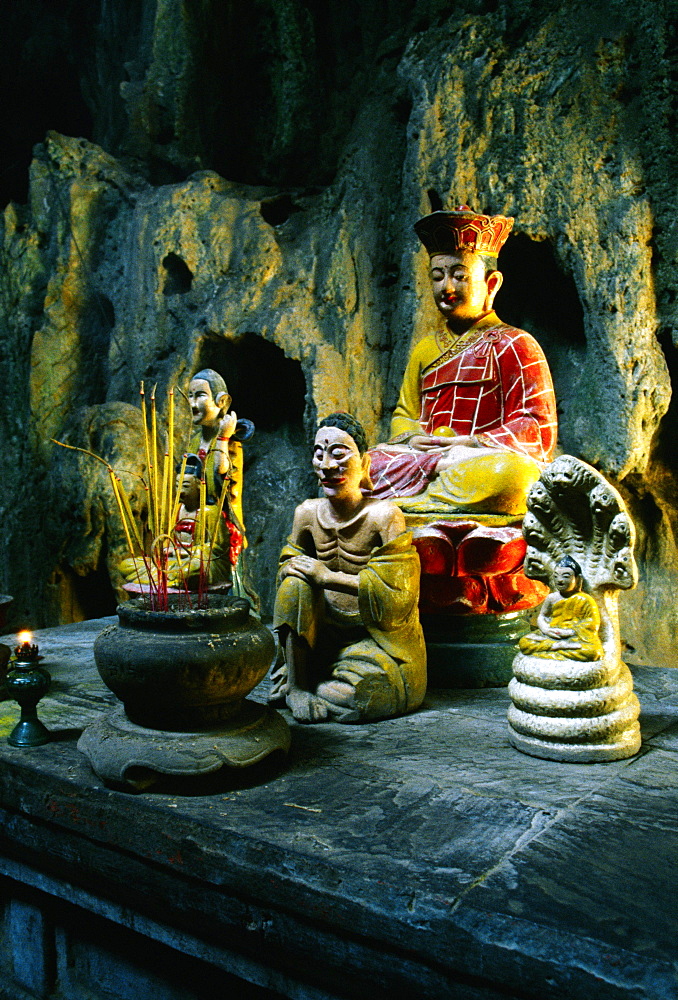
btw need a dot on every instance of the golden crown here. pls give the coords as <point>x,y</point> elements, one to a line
<point>463,229</point>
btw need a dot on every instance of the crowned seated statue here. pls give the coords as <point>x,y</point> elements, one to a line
<point>474,424</point>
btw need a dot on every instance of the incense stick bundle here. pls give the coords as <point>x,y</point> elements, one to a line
<point>163,491</point>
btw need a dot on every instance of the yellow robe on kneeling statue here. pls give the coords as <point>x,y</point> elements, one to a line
<point>380,650</point>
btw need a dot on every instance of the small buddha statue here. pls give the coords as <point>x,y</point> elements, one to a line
<point>569,620</point>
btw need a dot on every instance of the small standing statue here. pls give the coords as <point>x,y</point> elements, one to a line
<point>572,695</point>
<point>196,545</point>
<point>223,543</point>
<point>348,586</point>
<point>217,442</point>
<point>185,559</point>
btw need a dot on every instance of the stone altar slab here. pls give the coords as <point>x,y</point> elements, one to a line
<point>420,854</point>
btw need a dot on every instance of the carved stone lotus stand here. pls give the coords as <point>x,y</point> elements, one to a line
<point>572,708</point>
<point>183,677</point>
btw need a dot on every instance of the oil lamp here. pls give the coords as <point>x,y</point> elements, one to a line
<point>27,683</point>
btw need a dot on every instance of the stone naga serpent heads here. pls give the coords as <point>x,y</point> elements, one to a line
<point>572,510</point>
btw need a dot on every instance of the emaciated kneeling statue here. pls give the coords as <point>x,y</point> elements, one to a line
<point>348,587</point>
<point>476,413</point>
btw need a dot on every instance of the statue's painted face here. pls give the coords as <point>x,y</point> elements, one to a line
<point>189,491</point>
<point>460,290</point>
<point>204,409</point>
<point>564,579</point>
<point>337,462</point>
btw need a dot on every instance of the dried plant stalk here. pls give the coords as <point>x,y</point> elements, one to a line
<point>130,516</point>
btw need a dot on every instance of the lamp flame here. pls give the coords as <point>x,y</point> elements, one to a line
<point>25,650</point>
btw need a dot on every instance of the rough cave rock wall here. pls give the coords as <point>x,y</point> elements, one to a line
<point>246,199</point>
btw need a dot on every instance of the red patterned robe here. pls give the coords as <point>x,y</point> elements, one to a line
<point>492,383</point>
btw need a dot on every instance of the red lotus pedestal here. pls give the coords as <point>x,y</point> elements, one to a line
<point>473,597</point>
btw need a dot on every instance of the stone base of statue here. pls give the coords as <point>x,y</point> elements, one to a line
<point>131,757</point>
<point>471,651</point>
<point>473,595</point>
<point>571,711</point>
